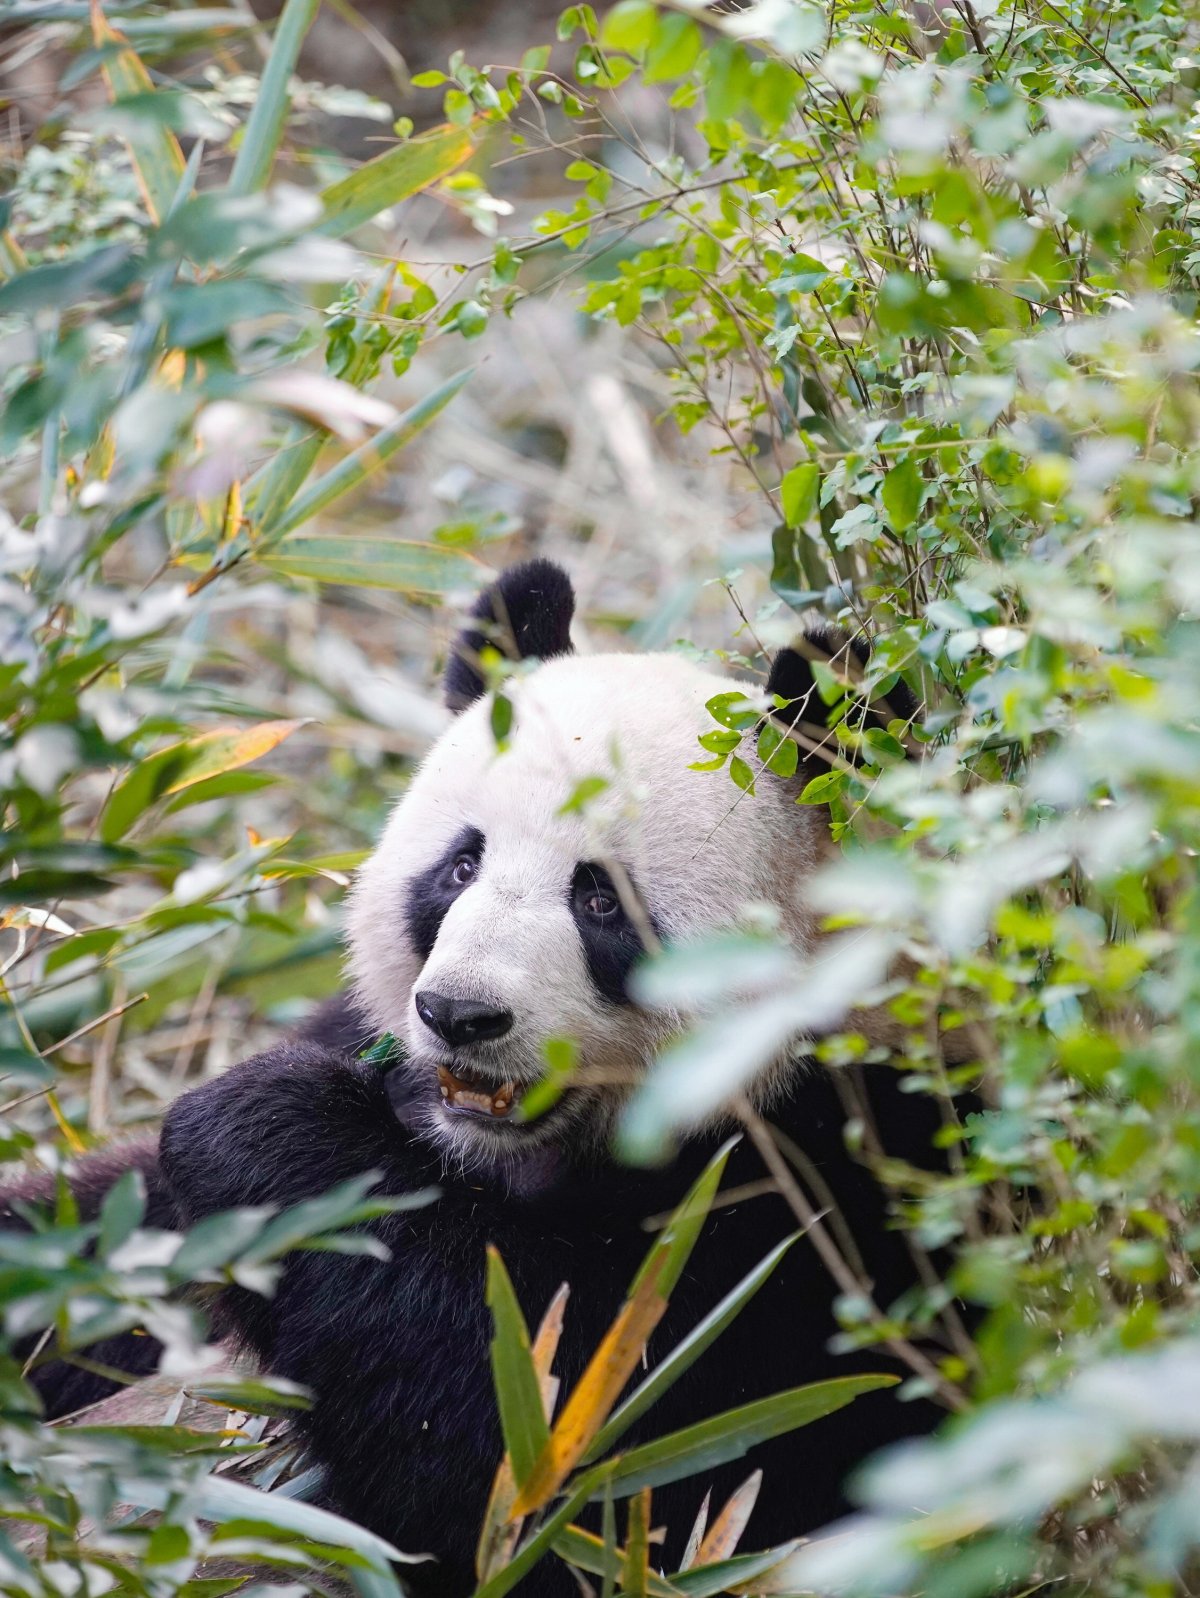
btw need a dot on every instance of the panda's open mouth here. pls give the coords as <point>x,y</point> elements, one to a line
<point>471,1093</point>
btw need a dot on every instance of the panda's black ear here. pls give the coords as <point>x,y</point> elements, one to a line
<point>792,678</point>
<point>525,614</point>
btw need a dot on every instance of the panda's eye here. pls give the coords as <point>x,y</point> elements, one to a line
<point>463,870</point>
<point>601,905</point>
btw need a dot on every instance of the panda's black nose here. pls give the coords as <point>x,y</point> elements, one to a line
<point>461,1021</point>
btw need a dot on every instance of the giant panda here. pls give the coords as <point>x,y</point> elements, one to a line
<point>492,917</point>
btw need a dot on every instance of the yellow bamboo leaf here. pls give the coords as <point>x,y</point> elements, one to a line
<point>154,149</point>
<point>596,1391</point>
<point>226,748</point>
<point>725,1533</point>
<point>232,517</point>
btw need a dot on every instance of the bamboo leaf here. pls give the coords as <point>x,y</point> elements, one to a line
<point>540,1543</point>
<point>635,1574</point>
<point>373,563</point>
<point>726,1531</point>
<point>501,1531</point>
<point>271,490</point>
<point>596,1391</point>
<point>742,1573</point>
<point>219,1499</point>
<point>395,175</point>
<point>358,465</point>
<point>586,1551</point>
<point>154,149</point>
<point>677,1240</point>
<point>518,1396</point>
<point>623,1345</point>
<point>264,126</point>
<point>225,749</point>
<point>184,764</point>
<point>686,1353</point>
<point>727,1436</point>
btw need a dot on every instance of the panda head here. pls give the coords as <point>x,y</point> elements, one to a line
<point>497,914</point>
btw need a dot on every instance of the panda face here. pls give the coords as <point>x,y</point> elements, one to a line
<point>500,912</point>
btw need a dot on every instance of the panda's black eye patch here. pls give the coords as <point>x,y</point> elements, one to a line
<point>611,941</point>
<point>432,892</point>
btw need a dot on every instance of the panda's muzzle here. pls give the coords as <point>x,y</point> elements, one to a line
<point>461,1023</point>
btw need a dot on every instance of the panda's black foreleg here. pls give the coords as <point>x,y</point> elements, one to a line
<point>394,1351</point>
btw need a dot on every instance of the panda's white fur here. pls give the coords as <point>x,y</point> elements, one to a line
<point>698,852</point>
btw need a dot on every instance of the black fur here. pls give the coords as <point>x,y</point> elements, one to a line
<point>791,678</point>
<point>433,891</point>
<point>397,1353</point>
<point>611,944</point>
<point>525,614</point>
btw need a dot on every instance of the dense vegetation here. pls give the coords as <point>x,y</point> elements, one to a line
<point>923,276</point>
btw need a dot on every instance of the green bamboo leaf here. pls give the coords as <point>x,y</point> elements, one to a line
<point>393,563</point>
<point>271,490</point>
<point>685,1354</point>
<point>154,149</point>
<point>730,1575</point>
<point>358,465</point>
<point>586,1551</point>
<point>218,1499</point>
<point>264,127</point>
<point>675,1243</point>
<point>518,1393</point>
<point>728,1436</point>
<point>402,171</point>
<point>541,1542</point>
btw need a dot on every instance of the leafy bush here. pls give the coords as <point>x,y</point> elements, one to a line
<point>928,272</point>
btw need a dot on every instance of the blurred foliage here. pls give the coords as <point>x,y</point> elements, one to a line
<point>928,273</point>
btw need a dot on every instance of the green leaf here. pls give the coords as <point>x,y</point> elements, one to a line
<point>823,789</point>
<point>685,1353</point>
<point>394,176</point>
<point>732,710</point>
<point>630,26</point>
<point>157,158</point>
<point>343,1206</point>
<point>540,1543</point>
<point>360,463</point>
<point>271,490</point>
<point>61,284</point>
<point>901,494</point>
<point>716,1441</point>
<point>730,1575</point>
<point>373,563</point>
<point>518,1394</point>
<point>122,1211</point>
<point>218,1499</point>
<point>582,794</point>
<point>779,754</point>
<point>674,1245</point>
<point>798,493</point>
<point>178,767</point>
<point>674,50</point>
<point>268,115</point>
<point>196,313</point>
<point>586,1551</point>
<point>742,775</point>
